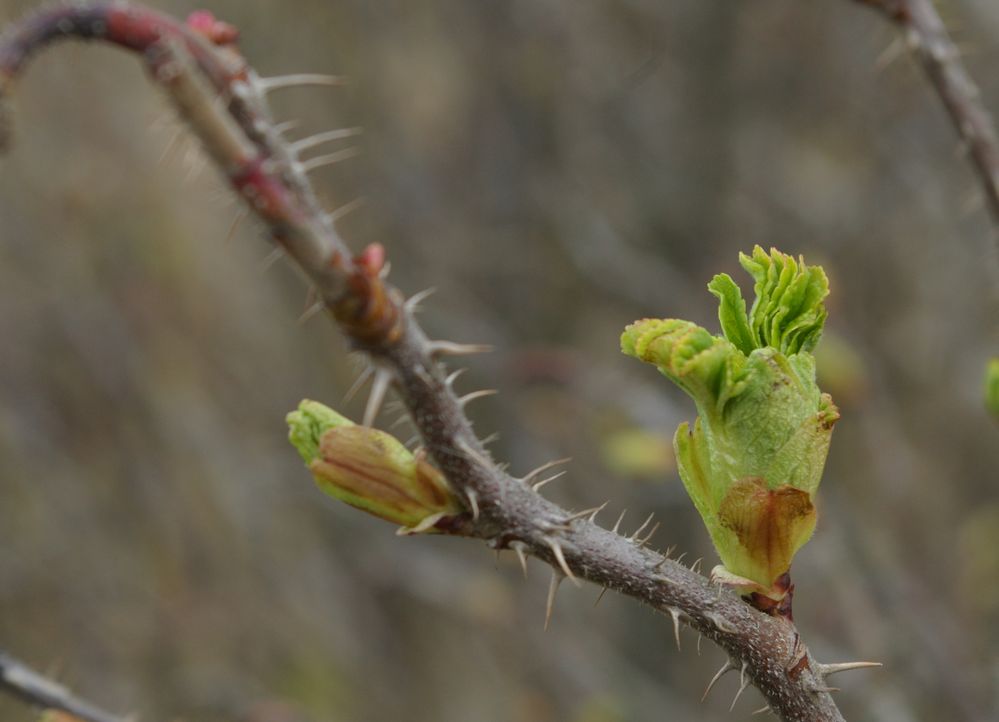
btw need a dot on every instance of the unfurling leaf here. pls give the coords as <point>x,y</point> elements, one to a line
<point>370,469</point>
<point>754,457</point>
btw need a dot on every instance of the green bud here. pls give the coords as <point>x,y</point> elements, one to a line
<point>992,387</point>
<point>370,469</point>
<point>753,460</point>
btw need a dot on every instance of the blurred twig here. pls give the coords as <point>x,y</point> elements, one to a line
<point>223,101</point>
<point>927,36</point>
<point>32,687</point>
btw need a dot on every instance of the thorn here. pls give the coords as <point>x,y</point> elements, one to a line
<point>762,710</point>
<point>412,304</point>
<point>270,259</point>
<point>889,55</point>
<point>400,421</point>
<point>824,670</point>
<point>241,215</point>
<point>552,590</point>
<point>600,596</point>
<point>698,644</point>
<point>669,551</point>
<point>282,128</point>
<point>645,540</point>
<point>718,675</point>
<point>743,683</point>
<point>617,524</point>
<point>473,501</point>
<point>467,398</point>
<point>697,563</point>
<point>449,381</point>
<point>640,529</point>
<point>356,386</point>
<point>597,510</point>
<point>319,138</point>
<point>194,161</point>
<point>675,613</point>
<point>329,159</point>
<point>519,547</point>
<point>679,559</point>
<point>449,348</point>
<point>547,480</point>
<point>345,209</point>
<point>660,564</point>
<point>823,688</point>
<point>171,144</point>
<point>379,387</point>
<point>531,475</point>
<point>471,451</point>
<point>490,439</point>
<point>560,558</point>
<point>266,85</point>
<point>593,511</point>
<point>311,311</point>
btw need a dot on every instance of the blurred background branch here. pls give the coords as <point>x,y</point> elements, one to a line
<point>36,689</point>
<point>926,35</point>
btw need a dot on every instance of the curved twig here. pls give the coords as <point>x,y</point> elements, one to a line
<point>34,688</point>
<point>223,101</point>
<point>927,36</point>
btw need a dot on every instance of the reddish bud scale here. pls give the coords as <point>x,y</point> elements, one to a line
<point>372,258</point>
<point>368,313</point>
<point>774,607</point>
<point>217,32</point>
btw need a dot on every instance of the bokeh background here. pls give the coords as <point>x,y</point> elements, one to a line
<point>556,169</point>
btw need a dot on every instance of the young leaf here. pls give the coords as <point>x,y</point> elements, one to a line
<point>753,459</point>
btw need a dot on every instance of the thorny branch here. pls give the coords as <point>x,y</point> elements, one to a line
<point>223,100</point>
<point>927,37</point>
<point>34,688</point>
